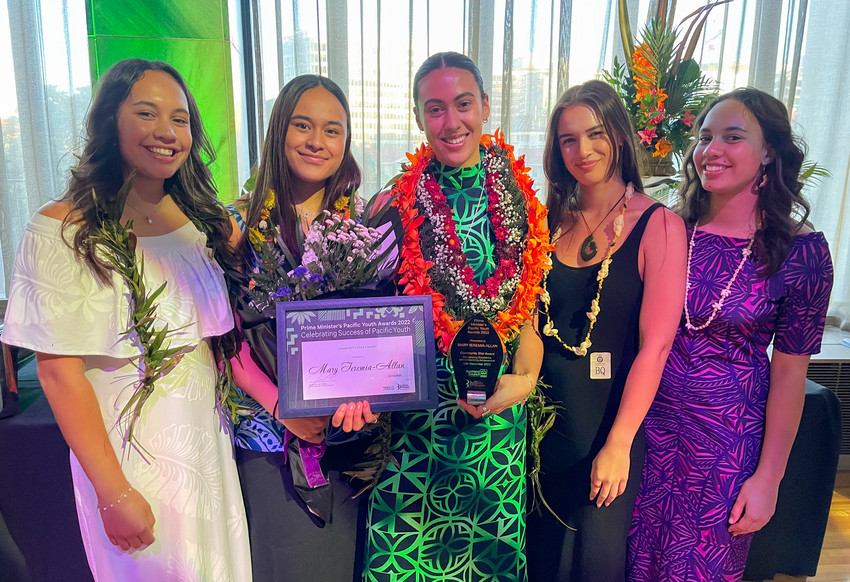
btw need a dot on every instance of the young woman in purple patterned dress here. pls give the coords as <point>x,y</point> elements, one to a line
<point>726,414</point>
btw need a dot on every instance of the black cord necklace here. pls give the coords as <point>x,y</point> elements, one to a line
<point>588,246</point>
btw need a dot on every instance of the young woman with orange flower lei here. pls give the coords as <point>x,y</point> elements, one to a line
<point>452,507</point>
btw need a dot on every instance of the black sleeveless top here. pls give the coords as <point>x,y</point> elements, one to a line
<point>588,407</point>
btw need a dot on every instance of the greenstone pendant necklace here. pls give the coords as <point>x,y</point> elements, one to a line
<point>588,246</point>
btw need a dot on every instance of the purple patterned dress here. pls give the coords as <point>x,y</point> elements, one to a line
<point>704,429</point>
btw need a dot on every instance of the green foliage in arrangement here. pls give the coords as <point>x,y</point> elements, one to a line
<point>660,83</point>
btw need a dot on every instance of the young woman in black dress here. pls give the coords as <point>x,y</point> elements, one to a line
<point>611,305</point>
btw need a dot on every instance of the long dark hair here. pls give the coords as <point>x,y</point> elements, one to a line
<point>274,173</point>
<point>779,195</point>
<point>100,168</point>
<point>442,61</point>
<point>562,189</point>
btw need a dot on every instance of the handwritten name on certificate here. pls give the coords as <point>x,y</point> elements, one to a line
<point>356,368</point>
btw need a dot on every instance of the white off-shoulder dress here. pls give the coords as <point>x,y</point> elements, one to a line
<point>186,472</point>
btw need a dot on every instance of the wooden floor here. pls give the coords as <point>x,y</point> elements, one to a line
<point>834,565</point>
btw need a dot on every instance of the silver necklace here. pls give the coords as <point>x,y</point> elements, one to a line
<point>146,216</point>
<point>307,213</point>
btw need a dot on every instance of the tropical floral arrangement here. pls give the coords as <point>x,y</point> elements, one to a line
<point>660,83</point>
<point>340,253</point>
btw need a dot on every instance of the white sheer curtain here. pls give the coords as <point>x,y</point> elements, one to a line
<point>823,101</point>
<point>44,66</point>
<point>529,52</point>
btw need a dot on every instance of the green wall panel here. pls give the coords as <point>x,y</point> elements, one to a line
<point>206,67</point>
<point>199,19</point>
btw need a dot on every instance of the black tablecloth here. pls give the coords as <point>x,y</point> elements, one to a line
<point>791,542</point>
<point>36,495</point>
<point>37,501</point>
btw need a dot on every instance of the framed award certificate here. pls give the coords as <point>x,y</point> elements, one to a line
<point>334,351</point>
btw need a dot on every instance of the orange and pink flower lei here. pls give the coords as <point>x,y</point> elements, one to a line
<point>514,289</point>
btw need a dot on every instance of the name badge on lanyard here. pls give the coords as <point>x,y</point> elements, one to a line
<point>600,365</point>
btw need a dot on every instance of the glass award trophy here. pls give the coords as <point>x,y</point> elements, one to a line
<point>477,357</point>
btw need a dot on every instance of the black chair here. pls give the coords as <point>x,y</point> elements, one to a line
<point>36,495</point>
<point>791,542</point>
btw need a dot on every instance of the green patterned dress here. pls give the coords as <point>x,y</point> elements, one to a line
<point>455,508</point>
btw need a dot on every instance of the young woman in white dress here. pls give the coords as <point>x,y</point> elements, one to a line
<point>164,505</point>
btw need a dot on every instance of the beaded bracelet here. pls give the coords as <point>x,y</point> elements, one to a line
<point>117,501</point>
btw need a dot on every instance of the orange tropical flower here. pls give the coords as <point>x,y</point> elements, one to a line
<point>660,74</point>
<point>662,148</point>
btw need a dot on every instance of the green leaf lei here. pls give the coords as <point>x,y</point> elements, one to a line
<point>158,357</point>
<point>541,412</point>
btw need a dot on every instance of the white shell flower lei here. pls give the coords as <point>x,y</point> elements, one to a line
<point>549,328</point>
<point>717,305</point>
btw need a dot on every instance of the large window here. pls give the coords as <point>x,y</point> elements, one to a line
<point>529,51</point>
<point>45,95</point>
